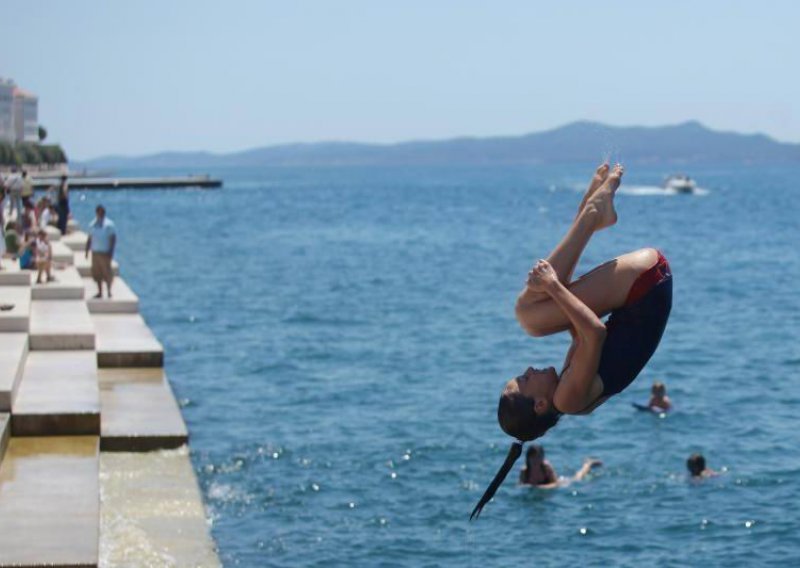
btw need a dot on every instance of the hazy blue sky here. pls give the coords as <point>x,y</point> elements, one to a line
<point>144,76</point>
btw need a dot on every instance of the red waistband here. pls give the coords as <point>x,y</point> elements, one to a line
<point>659,272</point>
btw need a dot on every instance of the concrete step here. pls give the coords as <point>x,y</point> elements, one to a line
<point>11,275</point>
<point>151,510</point>
<point>124,340</point>
<point>124,300</point>
<point>5,433</point>
<point>61,324</point>
<point>49,502</point>
<point>58,395</point>
<point>18,317</point>
<point>84,265</point>
<point>138,411</point>
<point>13,353</point>
<point>53,234</point>
<point>62,254</point>
<point>76,241</point>
<point>73,225</point>
<point>67,286</point>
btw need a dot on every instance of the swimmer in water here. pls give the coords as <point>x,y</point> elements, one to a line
<point>604,358</point>
<point>540,473</point>
<point>658,398</point>
<point>696,464</point>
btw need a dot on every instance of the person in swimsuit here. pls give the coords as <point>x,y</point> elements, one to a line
<point>696,464</point>
<point>540,473</point>
<point>604,358</point>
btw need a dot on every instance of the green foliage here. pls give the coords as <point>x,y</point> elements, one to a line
<point>28,153</point>
<point>8,157</point>
<point>42,133</point>
<point>52,154</point>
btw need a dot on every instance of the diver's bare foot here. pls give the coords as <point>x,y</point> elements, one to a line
<point>599,177</point>
<point>601,203</point>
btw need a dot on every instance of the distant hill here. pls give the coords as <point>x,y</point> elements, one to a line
<point>686,143</point>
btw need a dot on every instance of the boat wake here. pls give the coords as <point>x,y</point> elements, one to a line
<point>658,191</point>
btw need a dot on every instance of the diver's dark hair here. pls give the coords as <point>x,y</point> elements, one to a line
<point>696,464</point>
<point>518,419</point>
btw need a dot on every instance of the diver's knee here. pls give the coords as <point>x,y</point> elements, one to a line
<point>528,321</point>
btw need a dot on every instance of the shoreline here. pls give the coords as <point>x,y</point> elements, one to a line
<point>94,456</point>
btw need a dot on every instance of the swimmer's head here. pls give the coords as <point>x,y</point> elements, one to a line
<point>534,455</point>
<point>658,389</point>
<point>526,408</point>
<point>696,465</point>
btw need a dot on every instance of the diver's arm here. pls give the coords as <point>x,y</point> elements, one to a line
<point>579,386</point>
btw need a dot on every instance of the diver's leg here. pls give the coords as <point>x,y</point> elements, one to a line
<point>602,289</point>
<point>597,213</point>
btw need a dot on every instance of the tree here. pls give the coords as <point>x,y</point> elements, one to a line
<point>42,133</point>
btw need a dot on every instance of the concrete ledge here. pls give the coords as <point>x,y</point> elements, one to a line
<point>18,317</point>
<point>49,502</point>
<point>62,253</point>
<point>151,509</point>
<point>11,275</point>
<point>124,340</point>
<point>68,286</point>
<point>53,234</point>
<point>138,411</point>
<point>84,265</point>
<point>123,302</point>
<point>61,324</point>
<point>76,240</point>
<point>13,353</point>
<point>58,395</point>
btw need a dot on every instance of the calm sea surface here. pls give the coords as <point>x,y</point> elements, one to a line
<point>339,337</point>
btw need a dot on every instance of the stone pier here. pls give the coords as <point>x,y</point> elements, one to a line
<point>94,463</point>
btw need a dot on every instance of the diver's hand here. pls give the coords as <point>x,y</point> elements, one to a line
<point>541,277</point>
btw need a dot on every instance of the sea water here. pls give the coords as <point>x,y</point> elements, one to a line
<point>338,339</point>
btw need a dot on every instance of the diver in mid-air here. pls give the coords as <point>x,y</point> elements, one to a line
<point>604,358</point>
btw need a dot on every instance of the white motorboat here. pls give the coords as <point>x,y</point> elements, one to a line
<point>680,183</point>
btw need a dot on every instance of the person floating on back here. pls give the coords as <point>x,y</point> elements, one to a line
<point>604,358</point>
<point>696,464</point>
<point>540,473</point>
<point>659,401</point>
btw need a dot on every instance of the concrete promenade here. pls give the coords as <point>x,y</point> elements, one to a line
<point>94,466</point>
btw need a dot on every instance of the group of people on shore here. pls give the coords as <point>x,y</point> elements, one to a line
<point>539,472</point>
<point>24,222</point>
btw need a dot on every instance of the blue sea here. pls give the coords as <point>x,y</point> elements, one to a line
<point>338,339</point>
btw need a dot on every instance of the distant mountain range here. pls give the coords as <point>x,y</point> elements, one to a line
<point>685,143</point>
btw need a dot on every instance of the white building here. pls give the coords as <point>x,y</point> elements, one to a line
<point>7,110</point>
<point>26,112</point>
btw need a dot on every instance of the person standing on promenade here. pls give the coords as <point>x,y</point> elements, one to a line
<point>27,189</point>
<point>102,241</point>
<point>44,256</point>
<point>604,358</point>
<point>14,188</point>
<point>62,200</point>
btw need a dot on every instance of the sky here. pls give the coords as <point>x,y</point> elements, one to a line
<point>134,78</point>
